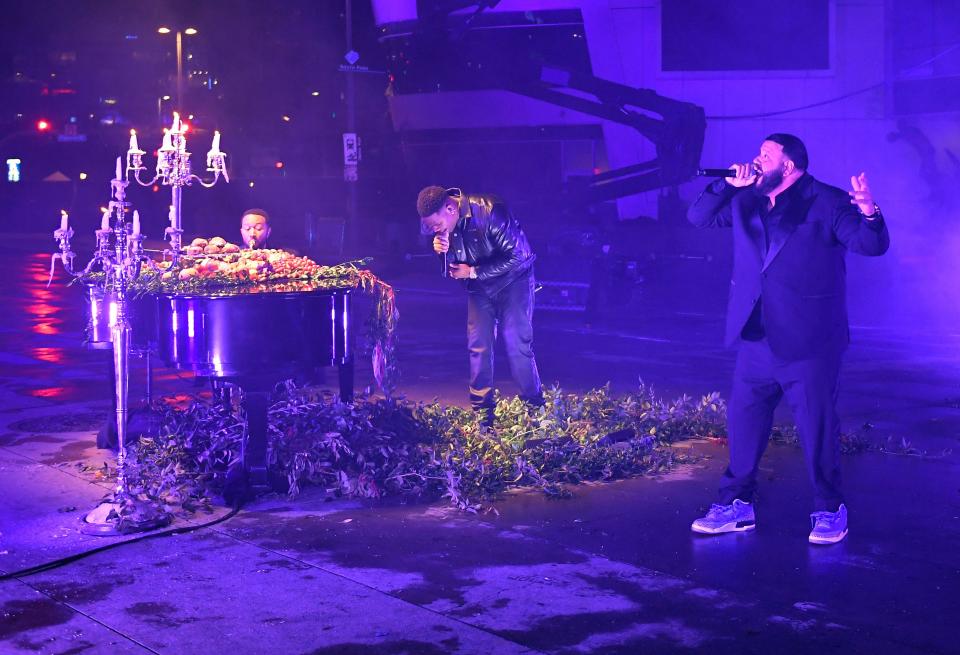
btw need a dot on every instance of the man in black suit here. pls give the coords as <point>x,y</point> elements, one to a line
<point>788,314</point>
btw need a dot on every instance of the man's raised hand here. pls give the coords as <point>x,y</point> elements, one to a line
<point>861,196</point>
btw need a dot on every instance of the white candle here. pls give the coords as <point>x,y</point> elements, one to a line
<point>176,122</point>
<point>216,142</point>
<point>105,221</point>
<point>167,143</point>
<point>173,217</point>
<point>134,146</point>
<point>64,218</point>
<point>136,223</point>
<point>119,169</point>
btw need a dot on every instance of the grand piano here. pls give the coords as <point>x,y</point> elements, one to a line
<point>252,337</point>
<point>255,340</point>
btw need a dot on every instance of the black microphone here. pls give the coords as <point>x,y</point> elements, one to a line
<point>716,172</point>
<point>724,172</point>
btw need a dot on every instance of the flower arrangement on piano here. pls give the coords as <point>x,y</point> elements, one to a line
<point>208,264</point>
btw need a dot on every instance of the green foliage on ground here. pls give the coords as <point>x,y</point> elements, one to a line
<point>375,447</point>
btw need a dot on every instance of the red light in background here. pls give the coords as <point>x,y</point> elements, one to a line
<point>42,310</point>
<point>184,127</point>
<point>279,164</point>
<point>48,327</point>
<point>48,392</point>
<point>52,355</point>
<point>43,125</point>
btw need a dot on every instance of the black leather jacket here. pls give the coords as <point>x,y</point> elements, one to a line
<point>489,238</point>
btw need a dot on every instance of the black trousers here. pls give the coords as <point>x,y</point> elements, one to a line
<point>512,311</point>
<point>760,380</point>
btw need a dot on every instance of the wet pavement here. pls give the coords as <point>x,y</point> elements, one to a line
<point>614,569</point>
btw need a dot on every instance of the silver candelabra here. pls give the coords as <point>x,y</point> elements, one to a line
<point>120,255</point>
<point>173,170</point>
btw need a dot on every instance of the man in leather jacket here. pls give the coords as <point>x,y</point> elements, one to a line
<point>484,247</point>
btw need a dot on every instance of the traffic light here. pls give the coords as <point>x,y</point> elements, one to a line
<point>13,170</point>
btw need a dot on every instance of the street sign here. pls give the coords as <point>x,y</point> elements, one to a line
<point>351,156</point>
<point>346,68</point>
<point>351,149</point>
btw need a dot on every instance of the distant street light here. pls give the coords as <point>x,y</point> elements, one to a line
<point>160,102</point>
<point>190,31</point>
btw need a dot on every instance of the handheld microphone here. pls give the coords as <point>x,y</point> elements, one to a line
<point>716,172</point>
<point>723,172</point>
<point>444,270</point>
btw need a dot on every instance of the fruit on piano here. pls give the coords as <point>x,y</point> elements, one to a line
<point>207,266</point>
<point>219,262</point>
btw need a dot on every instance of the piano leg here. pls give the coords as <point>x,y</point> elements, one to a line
<point>255,445</point>
<point>249,478</point>
<point>345,374</point>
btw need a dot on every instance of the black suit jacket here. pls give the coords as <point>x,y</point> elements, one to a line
<point>801,274</point>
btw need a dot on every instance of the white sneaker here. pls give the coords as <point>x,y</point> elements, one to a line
<point>736,517</point>
<point>828,527</point>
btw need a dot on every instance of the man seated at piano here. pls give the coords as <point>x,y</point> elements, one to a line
<point>255,228</point>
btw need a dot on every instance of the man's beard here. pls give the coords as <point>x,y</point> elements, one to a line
<point>769,181</point>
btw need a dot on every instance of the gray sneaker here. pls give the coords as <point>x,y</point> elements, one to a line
<point>737,517</point>
<point>828,527</point>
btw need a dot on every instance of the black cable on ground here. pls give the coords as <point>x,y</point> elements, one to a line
<point>63,561</point>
